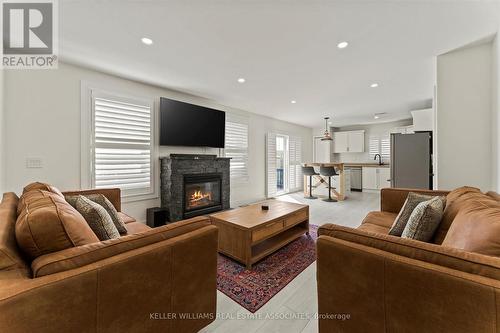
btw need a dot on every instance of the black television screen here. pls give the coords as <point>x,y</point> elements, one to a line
<point>184,124</point>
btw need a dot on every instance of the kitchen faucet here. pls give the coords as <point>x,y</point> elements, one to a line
<point>379,159</point>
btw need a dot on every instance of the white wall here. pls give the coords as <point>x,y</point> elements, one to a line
<point>464,117</point>
<point>495,115</point>
<point>43,121</point>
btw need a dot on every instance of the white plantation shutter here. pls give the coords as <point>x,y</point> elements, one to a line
<point>385,147</point>
<point>380,144</point>
<point>236,147</point>
<point>295,171</point>
<point>122,146</point>
<point>271,165</point>
<point>374,145</point>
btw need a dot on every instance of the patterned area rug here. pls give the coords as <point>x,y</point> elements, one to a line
<point>254,288</point>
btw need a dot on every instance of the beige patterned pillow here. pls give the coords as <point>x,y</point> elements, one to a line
<point>98,219</point>
<point>424,220</point>
<point>104,202</point>
<point>401,220</point>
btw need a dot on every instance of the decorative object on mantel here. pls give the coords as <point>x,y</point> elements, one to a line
<point>326,136</point>
<point>254,288</point>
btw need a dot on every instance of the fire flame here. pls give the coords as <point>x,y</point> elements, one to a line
<point>199,195</point>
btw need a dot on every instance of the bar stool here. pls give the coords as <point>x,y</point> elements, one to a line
<point>309,171</point>
<point>328,172</point>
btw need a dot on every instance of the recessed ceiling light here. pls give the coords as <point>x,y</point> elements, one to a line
<point>342,45</point>
<point>241,80</point>
<point>147,41</point>
<point>374,85</point>
<point>293,102</point>
<point>376,117</point>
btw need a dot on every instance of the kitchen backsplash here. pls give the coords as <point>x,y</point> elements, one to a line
<point>355,157</point>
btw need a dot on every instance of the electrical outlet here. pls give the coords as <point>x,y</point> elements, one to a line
<point>34,163</point>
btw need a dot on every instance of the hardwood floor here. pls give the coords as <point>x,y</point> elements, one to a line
<point>292,310</point>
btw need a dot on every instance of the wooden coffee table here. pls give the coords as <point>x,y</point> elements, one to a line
<point>248,234</point>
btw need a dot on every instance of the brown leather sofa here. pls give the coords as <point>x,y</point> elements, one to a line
<point>150,280</point>
<point>369,281</point>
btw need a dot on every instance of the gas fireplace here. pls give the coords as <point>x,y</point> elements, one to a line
<point>202,194</point>
<point>194,185</point>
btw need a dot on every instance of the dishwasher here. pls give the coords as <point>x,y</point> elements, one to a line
<point>356,179</point>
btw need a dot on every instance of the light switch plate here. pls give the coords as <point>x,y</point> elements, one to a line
<point>34,163</point>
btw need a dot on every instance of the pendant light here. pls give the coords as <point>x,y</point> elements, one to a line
<point>326,136</point>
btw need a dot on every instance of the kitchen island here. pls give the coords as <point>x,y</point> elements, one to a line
<point>318,180</point>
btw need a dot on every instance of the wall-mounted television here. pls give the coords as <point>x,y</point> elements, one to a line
<point>184,124</point>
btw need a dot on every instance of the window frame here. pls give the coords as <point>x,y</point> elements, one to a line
<point>381,138</point>
<point>241,120</point>
<point>88,92</point>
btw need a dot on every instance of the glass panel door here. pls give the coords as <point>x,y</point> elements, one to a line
<point>282,163</point>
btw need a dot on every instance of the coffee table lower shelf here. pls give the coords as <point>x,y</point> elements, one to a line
<point>270,245</point>
<point>248,234</point>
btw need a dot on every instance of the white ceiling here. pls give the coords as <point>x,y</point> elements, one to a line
<point>286,50</point>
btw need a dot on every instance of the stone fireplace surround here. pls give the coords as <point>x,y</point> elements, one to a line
<point>173,169</point>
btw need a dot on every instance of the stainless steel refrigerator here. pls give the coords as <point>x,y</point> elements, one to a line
<point>411,160</point>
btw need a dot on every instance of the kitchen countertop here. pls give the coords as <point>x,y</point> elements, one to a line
<point>373,165</point>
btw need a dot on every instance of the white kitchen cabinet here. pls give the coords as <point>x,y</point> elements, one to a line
<point>369,179</point>
<point>340,142</point>
<point>423,120</point>
<point>384,177</point>
<point>404,129</point>
<point>376,178</point>
<point>349,142</point>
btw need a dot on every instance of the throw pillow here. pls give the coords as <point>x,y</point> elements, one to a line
<point>424,220</point>
<point>476,228</point>
<point>401,220</point>
<point>97,218</point>
<point>106,204</point>
<point>42,186</point>
<point>454,201</point>
<point>49,224</point>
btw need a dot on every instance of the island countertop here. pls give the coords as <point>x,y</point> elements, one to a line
<point>371,165</point>
<point>313,164</point>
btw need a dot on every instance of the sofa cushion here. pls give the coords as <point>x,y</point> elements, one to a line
<point>456,259</point>
<point>424,220</point>
<point>97,217</point>
<point>10,257</point>
<point>476,228</point>
<point>409,206</point>
<point>384,219</point>
<point>29,196</point>
<point>48,224</point>
<point>494,195</point>
<point>87,254</point>
<point>106,204</point>
<point>42,186</point>
<point>135,227</point>
<point>378,229</point>
<point>454,201</point>
<point>126,218</point>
